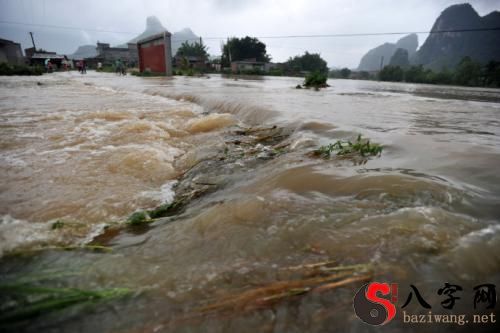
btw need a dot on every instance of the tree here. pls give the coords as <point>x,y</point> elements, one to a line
<point>196,49</point>
<point>345,73</point>
<point>309,62</point>
<point>391,73</point>
<point>492,74</point>
<point>316,80</point>
<point>400,58</point>
<point>415,74</point>
<point>364,75</point>
<point>468,72</point>
<point>244,48</point>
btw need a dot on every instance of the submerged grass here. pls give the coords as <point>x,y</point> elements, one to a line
<point>315,278</point>
<point>29,296</point>
<point>360,147</point>
<point>141,218</point>
<point>24,300</point>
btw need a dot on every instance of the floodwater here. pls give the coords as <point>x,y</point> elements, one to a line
<point>90,150</point>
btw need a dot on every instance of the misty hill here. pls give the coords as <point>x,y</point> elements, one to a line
<point>154,26</point>
<point>371,60</point>
<point>180,37</point>
<point>84,51</point>
<point>447,49</point>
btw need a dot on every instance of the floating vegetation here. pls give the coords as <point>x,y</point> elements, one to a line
<point>316,80</point>
<point>361,147</point>
<point>165,210</point>
<point>57,225</point>
<point>138,218</point>
<point>96,248</point>
<point>84,247</point>
<point>148,216</point>
<point>25,298</point>
<point>313,278</point>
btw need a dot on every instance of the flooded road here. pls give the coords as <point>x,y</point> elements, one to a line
<point>89,151</point>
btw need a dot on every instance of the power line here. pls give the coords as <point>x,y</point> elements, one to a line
<point>369,34</point>
<point>363,34</point>
<point>67,27</point>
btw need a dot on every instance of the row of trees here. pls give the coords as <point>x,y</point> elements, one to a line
<point>308,62</point>
<point>343,73</point>
<point>243,48</point>
<point>197,49</point>
<point>466,73</point>
<point>251,48</point>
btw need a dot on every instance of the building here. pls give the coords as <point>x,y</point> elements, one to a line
<point>10,52</point>
<point>40,59</point>
<point>248,65</point>
<point>155,53</point>
<point>108,55</point>
<point>190,62</point>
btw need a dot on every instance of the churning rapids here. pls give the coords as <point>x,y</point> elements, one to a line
<point>89,151</point>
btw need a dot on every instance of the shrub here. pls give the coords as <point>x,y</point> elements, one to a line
<point>138,218</point>
<point>316,80</point>
<point>6,69</point>
<point>391,73</point>
<point>360,146</point>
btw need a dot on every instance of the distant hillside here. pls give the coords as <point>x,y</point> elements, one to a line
<point>371,60</point>
<point>154,26</point>
<point>84,51</point>
<point>181,36</point>
<point>447,49</point>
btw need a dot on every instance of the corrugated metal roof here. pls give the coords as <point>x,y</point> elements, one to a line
<point>47,56</point>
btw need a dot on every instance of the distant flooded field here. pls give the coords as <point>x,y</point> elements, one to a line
<point>267,225</point>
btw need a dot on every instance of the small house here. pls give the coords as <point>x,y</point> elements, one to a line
<point>109,55</point>
<point>248,65</point>
<point>10,52</point>
<point>196,62</point>
<point>41,58</point>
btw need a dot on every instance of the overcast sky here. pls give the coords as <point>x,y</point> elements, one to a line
<point>226,18</point>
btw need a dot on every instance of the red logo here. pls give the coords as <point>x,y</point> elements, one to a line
<point>373,309</point>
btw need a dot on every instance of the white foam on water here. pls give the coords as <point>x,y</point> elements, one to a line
<point>480,235</point>
<point>165,195</point>
<point>15,233</point>
<point>13,161</point>
<point>94,232</point>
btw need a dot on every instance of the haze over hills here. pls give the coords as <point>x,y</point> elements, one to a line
<point>439,50</point>
<point>154,26</point>
<point>447,49</point>
<point>181,36</point>
<point>372,59</point>
<point>84,51</point>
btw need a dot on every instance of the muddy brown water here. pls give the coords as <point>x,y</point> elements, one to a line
<point>90,150</point>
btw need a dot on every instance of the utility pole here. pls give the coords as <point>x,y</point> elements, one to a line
<point>381,62</point>
<point>33,41</point>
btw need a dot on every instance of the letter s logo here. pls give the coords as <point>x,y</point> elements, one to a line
<point>371,308</point>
